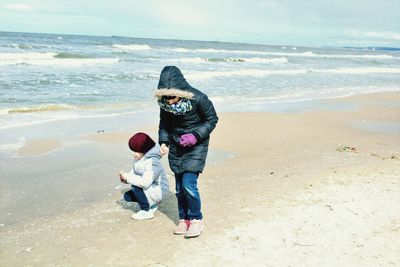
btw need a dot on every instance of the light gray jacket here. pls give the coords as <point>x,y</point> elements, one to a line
<point>149,174</point>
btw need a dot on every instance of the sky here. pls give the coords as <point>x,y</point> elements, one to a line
<point>274,22</point>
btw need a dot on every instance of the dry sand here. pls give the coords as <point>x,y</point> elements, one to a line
<point>286,196</point>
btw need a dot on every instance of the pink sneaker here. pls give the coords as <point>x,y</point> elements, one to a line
<point>195,228</point>
<point>182,227</point>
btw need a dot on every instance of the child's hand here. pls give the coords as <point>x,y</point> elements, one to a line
<point>122,177</point>
<point>164,149</point>
<point>188,140</point>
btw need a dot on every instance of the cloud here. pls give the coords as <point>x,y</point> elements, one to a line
<point>384,35</point>
<point>392,36</point>
<point>173,12</point>
<point>19,7</point>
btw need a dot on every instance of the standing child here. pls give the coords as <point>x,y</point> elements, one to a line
<point>187,118</point>
<point>148,179</point>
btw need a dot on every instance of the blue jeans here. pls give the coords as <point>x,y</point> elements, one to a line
<point>137,195</point>
<point>187,194</point>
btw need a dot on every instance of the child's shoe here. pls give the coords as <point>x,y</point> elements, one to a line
<point>143,215</point>
<point>195,228</point>
<point>154,208</point>
<point>182,227</point>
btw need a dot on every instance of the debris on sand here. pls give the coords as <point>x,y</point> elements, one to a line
<point>346,149</point>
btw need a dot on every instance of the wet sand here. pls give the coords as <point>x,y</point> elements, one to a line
<point>38,147</point>
<point>279,189</point>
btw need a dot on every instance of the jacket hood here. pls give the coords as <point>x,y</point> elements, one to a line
<point>154,152</point>
<point>172,83</point>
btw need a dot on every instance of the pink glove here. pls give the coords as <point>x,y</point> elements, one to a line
<point>188,140</point>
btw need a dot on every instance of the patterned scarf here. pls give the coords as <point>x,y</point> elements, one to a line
<point>179,108</point>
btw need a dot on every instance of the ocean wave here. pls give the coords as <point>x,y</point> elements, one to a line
<point>230,59</point>
<point>298,96</point>
<point>205,60</point>
<point>190,60</point>
<point>50,59</point>
<point>26,56</point>
<point>179,50</point>
<point>41,108</point>
<point>22,46</point>
<point>131,47</point>
<point>266,60</point>
<point>249,60</point>
<point>54,117</point>
<point>284,54</point>
<point>364,70</point>
<point>70,55</point>
<point>201,75</point>
<point>357,56</point>
<point>4,111</point>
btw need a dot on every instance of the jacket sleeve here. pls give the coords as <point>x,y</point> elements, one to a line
<point>152,169</point>
<point>163,135</point>
<point>209,116</point>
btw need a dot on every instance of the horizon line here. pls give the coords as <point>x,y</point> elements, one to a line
<point>208,41</point>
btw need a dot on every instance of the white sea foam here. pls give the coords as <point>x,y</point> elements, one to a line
<point>40,108</point>
<point>49,59</point>
<point>295,96</point>
<point>365,70</point>
<point>191,60</point>
<point>4,111</point>
<point>198,60</point>
<point>132,47</point>
<point>21,46</point>
<point>249,60</point>
<point>26,56</point>
<point>266,60</point>
<point>179,50</point>
<point>53,117</point>
<point>12,148</point>
<point>357,56</point>
<point>218,99</point>
<point>285,54</point>
<point>201,75</point>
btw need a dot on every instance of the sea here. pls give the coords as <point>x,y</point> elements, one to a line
<point>55,86</point>
<point>52,77</point>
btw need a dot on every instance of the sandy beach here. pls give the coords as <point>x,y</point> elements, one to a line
<point>315,188</point>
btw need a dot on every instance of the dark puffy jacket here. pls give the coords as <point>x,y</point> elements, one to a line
<point>200,121</point>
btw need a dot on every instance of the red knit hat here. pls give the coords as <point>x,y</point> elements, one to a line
<point>141,142</point>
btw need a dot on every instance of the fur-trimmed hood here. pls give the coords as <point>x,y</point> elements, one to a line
<point>172,83</point>
<point>173,92</point>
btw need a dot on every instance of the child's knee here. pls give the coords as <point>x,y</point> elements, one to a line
<point>190,189</point>
<point>136,188</point>
<point>128,196</point>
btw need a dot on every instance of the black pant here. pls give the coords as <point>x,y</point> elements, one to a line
<point>137,195</point>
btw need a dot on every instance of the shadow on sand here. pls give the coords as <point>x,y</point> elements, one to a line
<point>168,206</point>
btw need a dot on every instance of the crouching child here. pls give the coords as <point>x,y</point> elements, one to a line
<point>148,179</point>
